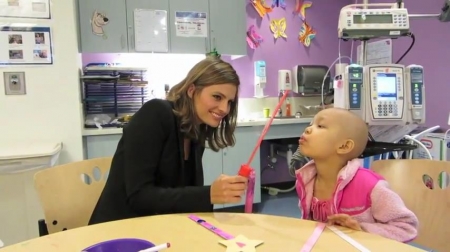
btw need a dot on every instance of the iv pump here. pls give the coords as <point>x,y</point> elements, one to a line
<point>383,94</point>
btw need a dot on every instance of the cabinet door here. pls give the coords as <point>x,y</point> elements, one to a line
<point>100,146</point>
<point>212,167</point>
<point>234,157</point>
<point>187,44</point>
<point>228,21</point>
<point>141,4</point>
<point>103,26</point>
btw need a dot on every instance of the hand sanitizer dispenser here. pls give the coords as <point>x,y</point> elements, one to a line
<point>284,80</point>
<point>260,78</point>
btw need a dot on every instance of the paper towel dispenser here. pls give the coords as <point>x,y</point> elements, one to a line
<point>309,78</point>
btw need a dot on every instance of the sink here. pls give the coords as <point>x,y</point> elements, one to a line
<point>286,117</point>
<point>251,120</point>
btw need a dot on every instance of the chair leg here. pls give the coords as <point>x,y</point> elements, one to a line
<point>42,228</point>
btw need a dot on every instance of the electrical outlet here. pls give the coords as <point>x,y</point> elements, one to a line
<point>14,83</point>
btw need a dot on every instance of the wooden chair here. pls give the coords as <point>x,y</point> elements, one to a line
<point>417,181</point>
<point>68,193</point>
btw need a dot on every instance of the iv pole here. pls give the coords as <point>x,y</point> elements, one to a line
<point>364,42</point>
<point>443,17</point>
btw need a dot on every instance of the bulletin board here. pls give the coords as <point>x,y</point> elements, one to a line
<point>25,45</point>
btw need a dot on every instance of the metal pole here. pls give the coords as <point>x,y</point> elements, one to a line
<point>423,15</point>
<point>364,43</point>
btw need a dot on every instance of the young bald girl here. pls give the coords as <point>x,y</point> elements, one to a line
<point>334,188</point>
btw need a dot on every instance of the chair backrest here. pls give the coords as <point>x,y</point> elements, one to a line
<point>69,192</point>
<point>418,182</point>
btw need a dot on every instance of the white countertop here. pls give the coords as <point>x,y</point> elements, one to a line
<point>241,123</point>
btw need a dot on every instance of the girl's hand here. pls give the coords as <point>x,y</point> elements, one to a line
<point>344,220</point>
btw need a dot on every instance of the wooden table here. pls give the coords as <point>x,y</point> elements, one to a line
<point>280,234</point>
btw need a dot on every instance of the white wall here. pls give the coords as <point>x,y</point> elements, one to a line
<point>50,111</point>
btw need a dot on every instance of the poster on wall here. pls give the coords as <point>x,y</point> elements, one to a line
<point>39,9</point>
<point>25,45</point>
<point>191,24</point>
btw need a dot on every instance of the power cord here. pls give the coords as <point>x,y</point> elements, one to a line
<point>420,144</point>
<point>413,40</point>
<point>325,77</point>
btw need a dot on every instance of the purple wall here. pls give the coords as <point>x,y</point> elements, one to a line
<point>281,54</point>
<point>430,50</point>
<point>87,58</point>
<point>285,54</point>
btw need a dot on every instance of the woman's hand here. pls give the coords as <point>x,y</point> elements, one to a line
<point>344,220</point>
<point>228,189</point>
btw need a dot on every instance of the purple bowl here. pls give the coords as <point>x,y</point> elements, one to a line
<point>120,245</point>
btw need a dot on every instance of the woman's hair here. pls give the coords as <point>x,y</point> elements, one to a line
<point>208,72</point>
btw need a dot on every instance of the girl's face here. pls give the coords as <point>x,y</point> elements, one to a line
<point>212,104</point>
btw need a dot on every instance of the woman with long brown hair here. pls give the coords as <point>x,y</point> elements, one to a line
<point>157,168</point>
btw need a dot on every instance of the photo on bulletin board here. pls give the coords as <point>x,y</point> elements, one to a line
<point>21,45</point>
<point>39,9</point>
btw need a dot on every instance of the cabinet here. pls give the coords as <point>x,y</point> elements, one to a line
<point>102,26</point>
<point>237,155</point>
<point>212,168</point>
<point>212,165</point>
<point>226,161</point>
<point>192,45</point>
<point>229,160</point>
<point>100,146</point>
<point>226,25</point>
<point>131,5</point>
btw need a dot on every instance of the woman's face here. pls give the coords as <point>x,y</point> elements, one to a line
<point>213,103</point>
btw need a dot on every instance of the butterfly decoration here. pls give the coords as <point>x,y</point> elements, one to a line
<point>300,8</point>
<point>261,7</point>
<point>278,27</point>
<point>306,35</point>
<point>278,3</point>
<point>254,40</point>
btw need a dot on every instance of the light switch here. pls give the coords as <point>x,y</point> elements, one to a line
<point>14,83</point>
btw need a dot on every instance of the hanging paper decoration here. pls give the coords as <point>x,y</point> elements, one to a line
<point>300,8</point>
<point>278,3</point>
<point>278,27</point>
<point>254,40</point>
<point>265,5</point>
<point>306,35</point>
<point>261,7</point>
